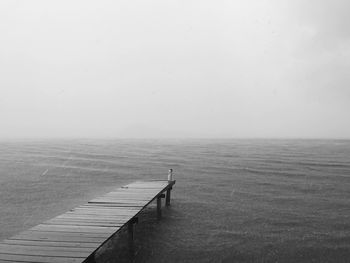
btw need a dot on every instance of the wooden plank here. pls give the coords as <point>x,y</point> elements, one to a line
<point>62,238</point>
<point>93,214</point>
<point>139,206</point>
<point>115,223</point>
<point>160,183</point>
<point>113,201</point>
<point>130,194</point>
<point>107,208</point>
<point>79,223</point>
<point>97,216</point>
<point>145,187</point>
<point>40,259</point>
<point>112,210</point>
<point>101,210</point>
<point>87,219</point>
<point>42,243</point>
<point>74,229</point>
<point>139,190</point>
<point>136,205</point>
<point>91,217</point>
<point>117,200</point>
<point>59,236</point>
<point>19,247</point>
<point>91,206</point>
<point>134,193</point>
<point>122,199</point>
<point>47,251</point>
<point>125,198</point>
<point>147,184</point>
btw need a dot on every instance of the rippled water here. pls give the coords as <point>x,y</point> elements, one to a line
<point>234,200</point>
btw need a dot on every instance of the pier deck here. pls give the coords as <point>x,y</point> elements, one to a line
<point>76,235</point>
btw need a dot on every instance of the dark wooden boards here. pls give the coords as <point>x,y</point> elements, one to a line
<point>75,235</point>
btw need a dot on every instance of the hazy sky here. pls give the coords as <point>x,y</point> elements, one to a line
<point>179,68</point>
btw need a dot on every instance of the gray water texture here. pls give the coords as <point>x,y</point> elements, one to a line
<point>234,200</point>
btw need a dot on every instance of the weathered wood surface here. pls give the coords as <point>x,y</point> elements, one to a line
<point>78,233</point>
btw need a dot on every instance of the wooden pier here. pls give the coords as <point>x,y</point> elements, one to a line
<point>76,235</point>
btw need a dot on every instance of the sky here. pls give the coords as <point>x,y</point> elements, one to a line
<point>175,68</point>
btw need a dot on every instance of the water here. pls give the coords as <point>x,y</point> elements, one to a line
<point>234,200</point>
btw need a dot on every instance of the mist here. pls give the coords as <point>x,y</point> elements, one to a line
<point>184,69</point>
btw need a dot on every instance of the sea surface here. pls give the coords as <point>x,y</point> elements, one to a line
<point>234,200</point>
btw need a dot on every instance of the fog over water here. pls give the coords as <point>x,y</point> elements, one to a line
<point>174,68</point>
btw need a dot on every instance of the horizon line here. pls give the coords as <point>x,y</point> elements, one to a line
<point>106,138</point>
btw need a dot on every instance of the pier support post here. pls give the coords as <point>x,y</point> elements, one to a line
<point>167,199</point>
<point>170,179</point>
<point>131,225</point>
<point>159,206</point>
